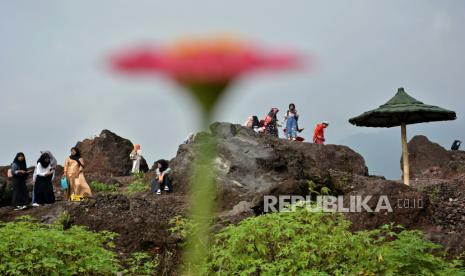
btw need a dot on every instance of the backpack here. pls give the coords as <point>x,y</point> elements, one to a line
<point>456,145</point>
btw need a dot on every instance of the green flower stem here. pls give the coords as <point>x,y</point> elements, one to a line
<point>203,183</point>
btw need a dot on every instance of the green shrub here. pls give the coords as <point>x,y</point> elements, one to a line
<point>29,248</point>
<point>137,186</point>
<point>306,243</point>
<point>138,176</point>
<point>102,187</point>
<point>141,263</point>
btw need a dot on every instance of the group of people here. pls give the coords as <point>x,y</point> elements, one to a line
<point>270,125</point>
<point>162,181</point>
<point>43,191</point>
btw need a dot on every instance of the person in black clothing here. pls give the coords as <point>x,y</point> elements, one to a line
<point>20,197</point>
<point>163,180</point>
<point>43,187</point>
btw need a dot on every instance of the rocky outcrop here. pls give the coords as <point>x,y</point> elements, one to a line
<point>251,165</point>
<point>430,160</point>
<point>108,155</point>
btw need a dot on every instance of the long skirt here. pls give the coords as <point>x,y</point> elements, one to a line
<point>78,185</point>
<point>43,190</point>
<point>136,166</point>
<point>20,196</point>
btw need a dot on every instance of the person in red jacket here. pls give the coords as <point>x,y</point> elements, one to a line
<point>319,134</point>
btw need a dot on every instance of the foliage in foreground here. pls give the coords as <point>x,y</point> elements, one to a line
<point>306,243</point>
<point>141,263</point>
<point>28,248</point>
<point>102,187</point>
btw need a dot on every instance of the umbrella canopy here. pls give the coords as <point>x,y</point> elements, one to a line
<point>402,109</point>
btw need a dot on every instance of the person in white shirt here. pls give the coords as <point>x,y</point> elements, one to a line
<point>136,157</point>
<point>43,187</point>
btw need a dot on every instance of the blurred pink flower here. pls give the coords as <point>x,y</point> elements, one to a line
<point>201,62</point>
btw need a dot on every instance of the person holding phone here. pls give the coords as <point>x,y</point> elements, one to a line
<point>20,196</point>
<point>43,187</point>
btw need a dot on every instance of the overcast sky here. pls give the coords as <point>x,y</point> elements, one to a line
<point>56,89</point>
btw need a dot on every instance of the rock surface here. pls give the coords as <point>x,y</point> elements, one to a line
<point>107,155</point>
<point>430,160</point>
<point>251,165</point>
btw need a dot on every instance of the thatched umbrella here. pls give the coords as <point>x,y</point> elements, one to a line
<point>403,110</point>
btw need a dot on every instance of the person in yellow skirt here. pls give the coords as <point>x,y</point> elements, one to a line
<point>77,184</point>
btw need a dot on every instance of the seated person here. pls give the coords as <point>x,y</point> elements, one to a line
<point>162,181</point>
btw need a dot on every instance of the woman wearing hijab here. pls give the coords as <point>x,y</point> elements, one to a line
<point>53,164</point>
<point>271,123</point>
<point>163,180</point>
<point>20,197</point>
<point>43,187</point>
<point>74,165</point>
<point>136,156</point>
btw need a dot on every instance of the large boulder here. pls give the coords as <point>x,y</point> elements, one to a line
<point>251,165</point>
<point>108,155</point>
<point>430,160</point>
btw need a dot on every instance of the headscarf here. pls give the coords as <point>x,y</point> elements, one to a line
<point>76,156</point>
<point>249,122</point>
<point>164,165</point>
<point>53,160</point>
<point>256,122</point>
<point>42,160</point>
<point>21,164</point>
<point>273,112</point>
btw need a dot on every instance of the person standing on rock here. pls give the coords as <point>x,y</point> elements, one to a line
<point>163,179</point>
<point>20,196</point>
<point>189,139</point>
<point>53,164</point>
<point>73,170</point>
<point>319,134</point>
<point>43,187</point>
<point>291,119</point>
<point>136,156</point>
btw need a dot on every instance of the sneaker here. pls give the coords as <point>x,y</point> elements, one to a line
<point>35,204</point>
<point>17,208</point>
<point>167,188</point>
<point>23,207</point>
<point>158,192</point>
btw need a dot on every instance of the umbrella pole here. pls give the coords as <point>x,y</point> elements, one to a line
<point>405,154</point>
